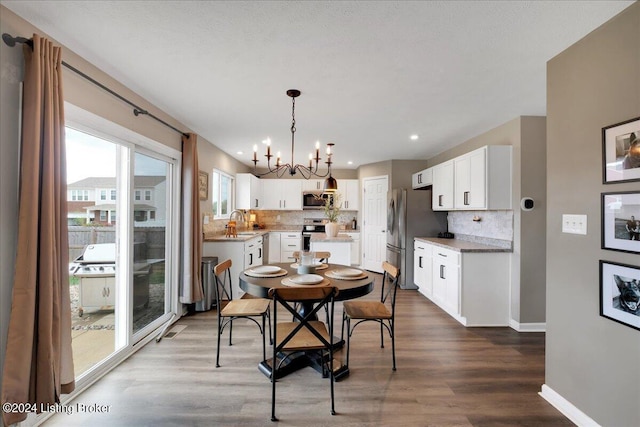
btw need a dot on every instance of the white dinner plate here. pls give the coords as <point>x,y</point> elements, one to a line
<point>266,269</point>
<point>347,272</point>
<point>307,279</point>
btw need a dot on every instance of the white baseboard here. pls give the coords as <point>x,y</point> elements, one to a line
<point>566,408</point>
<point>527,327</point>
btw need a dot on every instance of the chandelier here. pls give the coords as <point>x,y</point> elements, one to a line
<point>280,169</point>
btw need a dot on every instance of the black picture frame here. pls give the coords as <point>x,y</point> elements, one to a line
<point>620,293</point>
<point>621,152</point>
<point>620,217</point>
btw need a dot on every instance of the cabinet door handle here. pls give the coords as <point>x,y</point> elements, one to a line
<point>419,178</point>
<point>256,203</point>
<point>420,261</point>
<point>442,272</point>
<point>250,259</point>
<point>466,198</point>
<point>279,203</point>
<point>285,204</point>
<point>259,252</point>
<point>440,200</point>
<point>442,255</point>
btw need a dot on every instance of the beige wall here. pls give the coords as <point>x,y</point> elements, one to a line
<point>591,361</point>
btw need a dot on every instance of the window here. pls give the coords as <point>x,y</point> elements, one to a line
<point>113,194</point>
<point>103,215</point>
<point>138,197</point>
<point>222,194</point>
<point>79,195</point>
<point>103,194</point>
<point>147,195</point>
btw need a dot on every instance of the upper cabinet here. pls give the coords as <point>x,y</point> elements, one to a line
<point>422,180</point>
<point>442,192</point>
<point>282,194</point>
<point>313,185</point>
<point>248,191</point>
<point>478,180</point>
<point>483,179</point>
<point>349,189</point>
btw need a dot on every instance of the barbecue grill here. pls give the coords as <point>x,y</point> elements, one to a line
<point>96,270</point>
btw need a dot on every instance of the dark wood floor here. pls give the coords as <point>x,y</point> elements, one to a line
<point>447,375</point>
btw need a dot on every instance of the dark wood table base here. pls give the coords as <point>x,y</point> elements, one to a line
<point>299,360</point>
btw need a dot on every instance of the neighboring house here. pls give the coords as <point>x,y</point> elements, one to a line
<point>93,200</point>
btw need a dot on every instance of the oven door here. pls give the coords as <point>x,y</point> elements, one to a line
<point>306,241</point>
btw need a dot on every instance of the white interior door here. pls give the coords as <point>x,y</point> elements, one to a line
<point>374,214</point>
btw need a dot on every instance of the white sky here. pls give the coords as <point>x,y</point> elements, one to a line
<point>89,156</point>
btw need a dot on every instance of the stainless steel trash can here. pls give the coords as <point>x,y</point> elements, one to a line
<point>208,283</point>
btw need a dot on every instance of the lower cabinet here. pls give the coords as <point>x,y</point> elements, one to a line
<point>355,248</point>
<point>243,255</point>
<point>289,243</point>
<point>472,287</point>
<point>422,267</point>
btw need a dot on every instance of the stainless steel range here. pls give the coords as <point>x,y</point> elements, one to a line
<point>311,226</point>
<point>96,270</point>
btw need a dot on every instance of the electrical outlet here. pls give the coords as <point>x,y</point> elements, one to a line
<point>206,219</point>
<point>574,224</point>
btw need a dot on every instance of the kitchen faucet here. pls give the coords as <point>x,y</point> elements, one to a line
<point>238,211</point>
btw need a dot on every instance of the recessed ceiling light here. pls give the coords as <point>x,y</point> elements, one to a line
<point>414,137</point>
<point>349,162</point>
<point>240,153</point>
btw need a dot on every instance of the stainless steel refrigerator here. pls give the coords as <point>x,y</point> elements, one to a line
<point>409,215</point>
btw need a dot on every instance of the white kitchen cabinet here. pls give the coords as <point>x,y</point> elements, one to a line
<point>422,267</point>
<point>274,247</point>
<point>355,248</point>
<point>349,189</point>
<point>446,276</point>
<point>243,254</point>
<point>483,179</point>
<point>471,286</point>
<point>253,253</point>
<point>422,179</point>
<point>282,194</point>
<point>442,192</point>
<point>313,185</point>
<point>248,191</point>
<point>290,242</point>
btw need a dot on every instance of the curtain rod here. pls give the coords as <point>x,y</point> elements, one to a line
<point>11,42</point>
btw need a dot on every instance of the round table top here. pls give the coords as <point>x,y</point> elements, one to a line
<point>349,289</point>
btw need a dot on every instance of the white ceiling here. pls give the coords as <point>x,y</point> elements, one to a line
<point>371,73</point>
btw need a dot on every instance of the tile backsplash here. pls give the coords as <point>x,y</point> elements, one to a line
<point>490,227</point>
<point>274,219</point>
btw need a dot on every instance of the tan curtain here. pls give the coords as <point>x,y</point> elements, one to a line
<point>191,285</point>
<point>38,365</point>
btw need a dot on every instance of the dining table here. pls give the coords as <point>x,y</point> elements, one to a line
<point>349,287</point>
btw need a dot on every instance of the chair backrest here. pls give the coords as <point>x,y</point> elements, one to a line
<point>320,295</point>
<point>322,256</point>
<point>223,288</point>
<point>391,275</point>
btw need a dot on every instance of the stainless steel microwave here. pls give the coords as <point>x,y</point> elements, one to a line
<point>313,199</point>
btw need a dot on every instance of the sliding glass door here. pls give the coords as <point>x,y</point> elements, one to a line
<point>123,219</point>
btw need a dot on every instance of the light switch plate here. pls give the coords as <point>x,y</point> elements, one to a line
<point>574,224</point>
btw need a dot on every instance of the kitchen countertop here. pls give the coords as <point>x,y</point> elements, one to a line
<point>242,237</point>
<point>461,245</point>
<point>322,237</point>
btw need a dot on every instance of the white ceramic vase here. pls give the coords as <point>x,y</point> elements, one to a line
<point>331,229</point>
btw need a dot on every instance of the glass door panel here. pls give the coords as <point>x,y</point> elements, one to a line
<point>94,271</point>
<point>151,213</point>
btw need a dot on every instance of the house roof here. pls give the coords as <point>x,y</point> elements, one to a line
<point>110,182</point>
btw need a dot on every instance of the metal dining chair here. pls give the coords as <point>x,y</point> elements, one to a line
<point>233,309</point>
<point>304,333</point>
<point>382,311</point>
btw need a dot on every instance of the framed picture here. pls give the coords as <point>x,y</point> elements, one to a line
<point>620,293</point>
<point>203,185</point>
<point>621,152</point>
<point>621,221</point>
